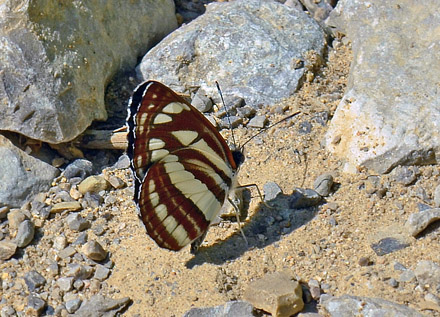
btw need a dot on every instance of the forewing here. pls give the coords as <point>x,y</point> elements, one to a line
<point>160,122</point>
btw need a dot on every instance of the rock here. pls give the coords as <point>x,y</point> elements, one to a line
<point>60,242</point>
<point>75,193</point>
<point>93,200</point>
<point>257,122</point>
<point>388,245</point>
<point>99,305</point>
<point>318,10</point>
<point>79,168</point>
<point>304,198</point>
<point>407,276</point>
<point>315,289</point>
<point>365,261</point>
<point>93,184</point>
<point>123,162</point>
<point>437,196</point>
<point>201,101</point>
<point>323,184</point>
<point>15,218</point>
<point>432,302</point>
<point>348,306</point>
<point>428,274</point>
<point>34,280</point>
<point>58,162</point>
<point>101,272</point>
<point>79,272</point>
<point>417,222</point>
<point>271,190</point>
<point>66,252</point>
<point>93,250</point>
<point>54,78</point>
<point>230,122</point>
<point>305,127</point>
<point>275,293</point>
<point>7,249</point>
<point>25,233</point>
<point>82,239</point>
<point>35,306</point>
<point>77,223</point>
<point>116,182</point>
<point>8,311</point>
<point>393,283</point>
<point>244,111</point>
<point>404,175</point>
<point>209,49</point>
<point>73,305</point>
<point>53,269</point>
<point>17,167</point>
<point>65,283</point>
<point>4,212</point>
<point>230,309</point>
<point>378,129</point>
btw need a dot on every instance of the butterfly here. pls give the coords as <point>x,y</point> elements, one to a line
<point>183,169</point>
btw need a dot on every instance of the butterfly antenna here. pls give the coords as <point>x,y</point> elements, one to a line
<point>271,126</point>
<point>227,112</point>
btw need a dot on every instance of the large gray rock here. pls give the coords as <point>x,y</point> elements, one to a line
<point>257,50</point>
<point>21,175</point>
<point>57,57</point>
<point>391,110</point>
<point>347,306</point>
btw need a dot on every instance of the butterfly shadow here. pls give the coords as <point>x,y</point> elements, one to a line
<point>266,227</point>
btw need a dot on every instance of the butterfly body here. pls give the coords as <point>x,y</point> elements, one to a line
<point>183,169</point>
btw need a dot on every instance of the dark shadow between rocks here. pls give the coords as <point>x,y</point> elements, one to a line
<point>266,227</point>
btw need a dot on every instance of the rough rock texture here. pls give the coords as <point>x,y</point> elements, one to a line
<point>99,305</point>
<point>347,306</point>
<point>256,50</point>
<point>230,309</point>
<point>21,175</point>
<point>276,293</point>
<point>390,112</point>
<point>57,57</point>
<point>418,222</point>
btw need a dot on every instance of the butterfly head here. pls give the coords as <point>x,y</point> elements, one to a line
<point>237,155</point>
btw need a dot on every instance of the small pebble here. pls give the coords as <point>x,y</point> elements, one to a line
<point>323,184</point>
<point>35,306</point>
<point>93,184</point>
<point>393,283</point>
<point>60,242</point>
<point>34,280</point>
<point>101,272</point>
<point>65,283</point>
<point>65,206</point>
<point>364,261</point>
<point>15,218</point>
<point>7,249</point>
<point>25,233</point>
<point>73,305</point>
<point>257,122</point>
<point>94,251</point>
<point>77,223</point>
<point>116,182</point>
<point>271,190</point>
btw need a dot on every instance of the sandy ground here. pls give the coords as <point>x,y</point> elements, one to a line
<point>323,243</point>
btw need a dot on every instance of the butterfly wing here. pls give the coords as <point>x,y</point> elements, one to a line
<point>183,168</point>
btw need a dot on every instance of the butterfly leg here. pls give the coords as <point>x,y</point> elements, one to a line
<point>259,193</point>
<point>237,214</point>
